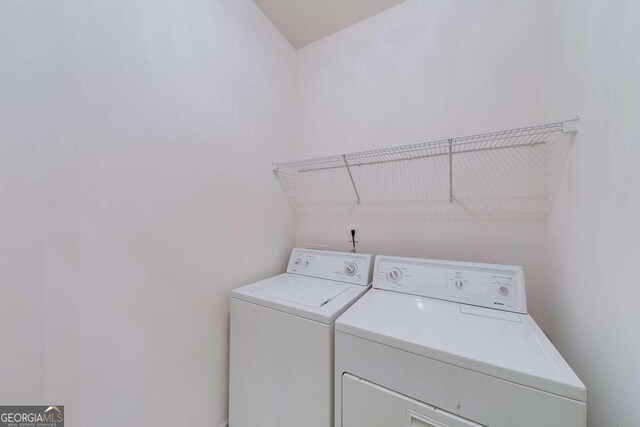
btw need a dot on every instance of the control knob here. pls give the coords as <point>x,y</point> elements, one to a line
<point>350,269</point>
<point>394,275</point>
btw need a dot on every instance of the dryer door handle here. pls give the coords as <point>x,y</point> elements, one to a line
<point>416,420</point>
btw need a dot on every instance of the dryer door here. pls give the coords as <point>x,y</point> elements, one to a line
<point>367,405</point>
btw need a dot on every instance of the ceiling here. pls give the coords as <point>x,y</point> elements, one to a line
<point>305,21</point>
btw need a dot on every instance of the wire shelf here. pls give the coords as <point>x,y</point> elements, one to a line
<point>506,172</point>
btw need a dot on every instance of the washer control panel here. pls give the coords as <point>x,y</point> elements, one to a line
<point>339,266</point>
<point>487,285</point>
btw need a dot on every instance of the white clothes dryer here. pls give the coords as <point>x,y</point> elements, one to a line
<point>449,344</point>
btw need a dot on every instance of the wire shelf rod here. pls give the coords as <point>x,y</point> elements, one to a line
<point>514,138</point>
<point>439,154</point>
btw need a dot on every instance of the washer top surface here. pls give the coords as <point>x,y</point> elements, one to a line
<point>318,285</point>
<point>320,300</point>
<point>302,290</point>
<point>502,344</point>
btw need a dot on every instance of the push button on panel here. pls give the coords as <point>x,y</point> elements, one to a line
<point>503,290</point>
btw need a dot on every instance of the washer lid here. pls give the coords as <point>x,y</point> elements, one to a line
<point>505,345</point>
<point>302,290</point>
<point>315,299</point>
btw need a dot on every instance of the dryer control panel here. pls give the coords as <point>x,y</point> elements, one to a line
<point>487,285</point>
<point>339,266</point>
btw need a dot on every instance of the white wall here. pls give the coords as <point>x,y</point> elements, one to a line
<point>593,234</point>
<point>135,145</point>
<point>421,71</point>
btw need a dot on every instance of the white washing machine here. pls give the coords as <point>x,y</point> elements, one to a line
<point>449,344</point>
<point>282,340</point>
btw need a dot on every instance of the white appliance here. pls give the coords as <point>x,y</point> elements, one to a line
<point>282,335</point>
<point>449,344</point>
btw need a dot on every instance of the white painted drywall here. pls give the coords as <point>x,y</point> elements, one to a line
<point>594,234</point>
<point>136,191</point>
<point>424,71</point>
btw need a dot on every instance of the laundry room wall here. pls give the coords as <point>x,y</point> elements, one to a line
<point>135,194</point>
<point>593,235</point>
<point>425,71</point>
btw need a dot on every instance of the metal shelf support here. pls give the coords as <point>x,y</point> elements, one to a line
<point>570,126</point>
<point>355,189</point>
<point>450,170</point>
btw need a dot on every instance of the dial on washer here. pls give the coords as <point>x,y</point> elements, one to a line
<point>394,275</point>
<point>350,269</point>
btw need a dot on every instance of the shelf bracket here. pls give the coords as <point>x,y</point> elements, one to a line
<point>344,157</point>
<point>570,126</point>
<point>451,171</point>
